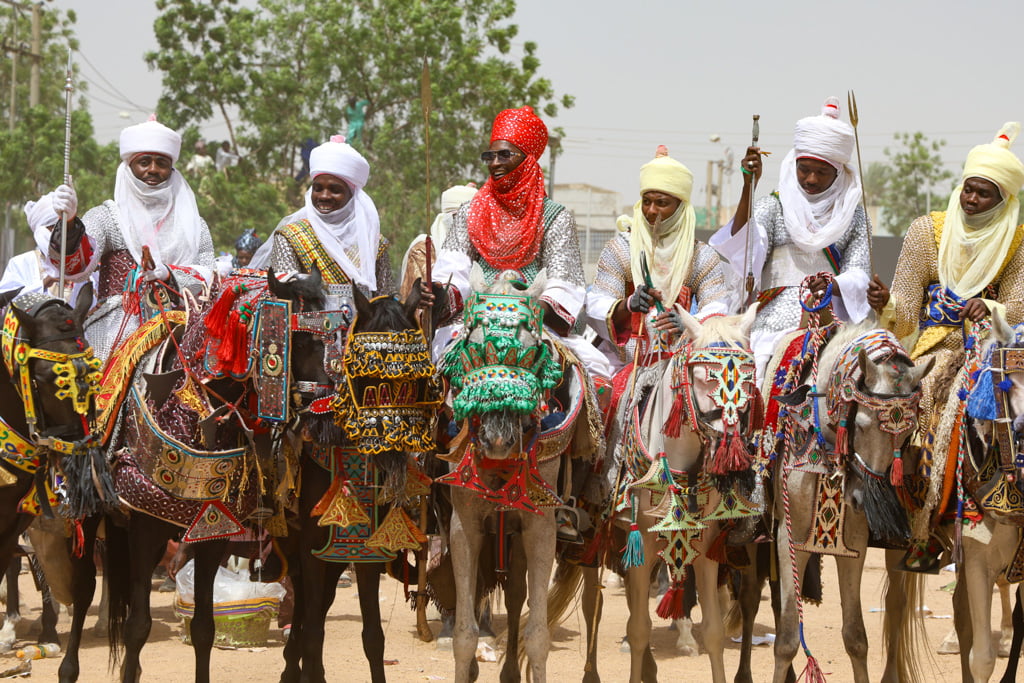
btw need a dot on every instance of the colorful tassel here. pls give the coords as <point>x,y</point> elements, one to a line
<point>217,318</point>
<point>671,605</point>
<point>730,456</point>
<point>842,439</point>
<point>674,425</point>
<point>716,551</point>
<point>812,673</point>
<point>896,474</point>
<point>633,553</point>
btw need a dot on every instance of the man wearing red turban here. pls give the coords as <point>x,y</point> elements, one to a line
<point>511,224</point>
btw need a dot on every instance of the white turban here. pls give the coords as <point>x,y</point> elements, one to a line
<point>457,195</point>
<point>340,159</point>
<point>825,137</point>
<point>41,214</point>
<point>817,221</point>
<point>151,136</point>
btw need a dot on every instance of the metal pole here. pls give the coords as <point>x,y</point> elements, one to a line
<point>711,189</point>
<point>37,55</point>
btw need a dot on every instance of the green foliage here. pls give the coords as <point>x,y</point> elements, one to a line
<point>232,201</point>
<point>292,66</point>
<point>33,152</point>
<point>915,181</point>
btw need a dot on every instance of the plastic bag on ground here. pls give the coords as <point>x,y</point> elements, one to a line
<point>228,586</point>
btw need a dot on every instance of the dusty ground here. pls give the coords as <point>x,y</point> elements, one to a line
<point>166,658</point>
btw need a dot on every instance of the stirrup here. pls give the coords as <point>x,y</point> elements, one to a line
<point>567,521</point>
<point>922,558</point>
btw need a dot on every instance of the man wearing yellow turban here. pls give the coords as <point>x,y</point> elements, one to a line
<point>957,265</point>
<point>813,224</point>
<point>681,270</point>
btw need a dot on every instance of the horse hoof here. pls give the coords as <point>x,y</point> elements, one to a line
<point>949,646</point>
<point>444,643</point>
<point>687,649</point>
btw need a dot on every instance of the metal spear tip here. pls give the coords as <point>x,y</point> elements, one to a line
<point>757,117</point>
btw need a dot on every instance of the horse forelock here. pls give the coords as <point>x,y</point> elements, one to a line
<point>719,330</point>
<point>386,315</point>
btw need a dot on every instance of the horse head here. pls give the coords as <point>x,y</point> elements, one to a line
<point>873,390</point>
<point>501,368</point>
<point>46,356</point>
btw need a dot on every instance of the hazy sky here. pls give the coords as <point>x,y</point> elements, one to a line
<point>676,72</point>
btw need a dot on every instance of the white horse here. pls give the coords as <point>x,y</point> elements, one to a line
<point>872,386</point>
<point>503,482</point>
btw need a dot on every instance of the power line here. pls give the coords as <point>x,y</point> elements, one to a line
<point>105,80</point>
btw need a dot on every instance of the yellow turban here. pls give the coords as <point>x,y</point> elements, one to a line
<point>665,174</point>
<point>670,251</point>
<point>997,163</point>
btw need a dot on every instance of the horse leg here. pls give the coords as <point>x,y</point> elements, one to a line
<point>592,602</point>
<point>83,586</point>
<point>751,584</point>
<point>207,562</point>
<point>686,645</point>
<point>148,543</point>
<point>855,637</point>
<point>319,580</point>
<point>642,667</point>
<point>787,640</point>
<point>293,643</point>
<point>368,584</point>
<point>903,634</point>
<point>962,624</point>
<point>1006,620</point>
<point>13,594</point>
<point>1010,675</point>
<point>515,596</point>
<point>978,581</point>
<point>50,608</point>
<point>465,542</point>
<point>539,543</point>
<point>712,628</point>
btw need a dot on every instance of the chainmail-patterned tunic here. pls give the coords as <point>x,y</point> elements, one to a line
<point>285,257</point>
<point>706,282</point>
<point>108,322</point>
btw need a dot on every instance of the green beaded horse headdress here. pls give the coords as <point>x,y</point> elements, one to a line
<point>490,367</point>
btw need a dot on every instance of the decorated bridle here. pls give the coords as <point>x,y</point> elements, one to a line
<point>500,373</point>
<point>896,413</point>
<point>387,399</point>
<point>78,374</point>
<point>990,400</point>
<point>735,396</point>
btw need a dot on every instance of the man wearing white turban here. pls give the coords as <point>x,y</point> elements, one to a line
<point>337,230</point>
<point>153,207</point>
<point>813,224</point>
<point>682,270</point>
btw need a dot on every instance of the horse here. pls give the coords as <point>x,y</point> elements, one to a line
<point>507,460</point>
<point>989,430</point>
<point>366,411</point>
<point>185,455</point>
<point>839,478</point>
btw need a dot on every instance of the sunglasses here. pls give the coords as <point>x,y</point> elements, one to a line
<point>502,155</point>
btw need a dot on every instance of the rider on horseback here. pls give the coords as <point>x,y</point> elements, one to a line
<point>813,224</point>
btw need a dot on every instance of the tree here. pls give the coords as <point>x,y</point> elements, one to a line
<point>299,62</point>
<point>34,149</point>
<point>914,172</point>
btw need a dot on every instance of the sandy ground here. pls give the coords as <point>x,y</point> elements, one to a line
<point>166,658</point>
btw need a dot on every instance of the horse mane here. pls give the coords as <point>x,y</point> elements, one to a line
<point>721,329</point>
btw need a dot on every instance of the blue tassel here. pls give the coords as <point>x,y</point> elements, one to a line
<point>633,553</point>
<point>974,375</point>
<point>962,394</point>
<point>981,405</point>
<point>969,343</point>
<point>1005,386</point>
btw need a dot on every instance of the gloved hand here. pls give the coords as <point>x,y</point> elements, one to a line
<point>161,272</point>
<point>670,321</point>
<point>65,200</point>
<point>641,300</point>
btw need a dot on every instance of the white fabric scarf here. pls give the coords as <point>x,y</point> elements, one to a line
<point>817,221</point>
<point>357,223</point>
<point>165,218</point>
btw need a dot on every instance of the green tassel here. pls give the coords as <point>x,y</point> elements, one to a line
<point>633,553</point>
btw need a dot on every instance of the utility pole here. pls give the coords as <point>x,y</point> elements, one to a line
<point>718,205</point>
<point>36,54</point>
<point>554,142</point>
<point>711,189</point>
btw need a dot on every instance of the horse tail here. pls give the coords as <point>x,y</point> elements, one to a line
<point>908,629</point>
<point>116,567</point>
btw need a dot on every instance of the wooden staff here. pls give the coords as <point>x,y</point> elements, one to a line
<point>422,628</point>
<point>69,87</point>
<point>851,103</point>
<point>748,266</point>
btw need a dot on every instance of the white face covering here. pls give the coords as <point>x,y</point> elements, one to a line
<point>817,221</point>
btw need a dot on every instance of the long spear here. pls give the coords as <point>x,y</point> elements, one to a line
<point>68,88</point>
<point>426,100</point>
<point>748,266</point>
<point>851,103</point>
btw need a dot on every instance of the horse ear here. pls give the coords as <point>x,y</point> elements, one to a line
<point>536,288</point>
<point>476,278</point>
<point>795,397</point>
<point>747,321</point>
<point>27,322</point>
<point>362,303</point>
<point>1002,333</point>
<point>920,370</point>
<point>412,300</point>
<point>8,296</point>
<point>868,369</point>
<point>692,325</point>
<point>277,288</point>
<point>83,303</point>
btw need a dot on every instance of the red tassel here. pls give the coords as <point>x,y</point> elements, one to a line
<point>217,318</point>
<point>842,439</point>
<point>671,605</point>
<point>757,413</point>
<point>674,425</point>
<point>896,474</point>
<point>716,551</point>
<point>812,673</point>
<point>731,456</point>
<point>78,547</point>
